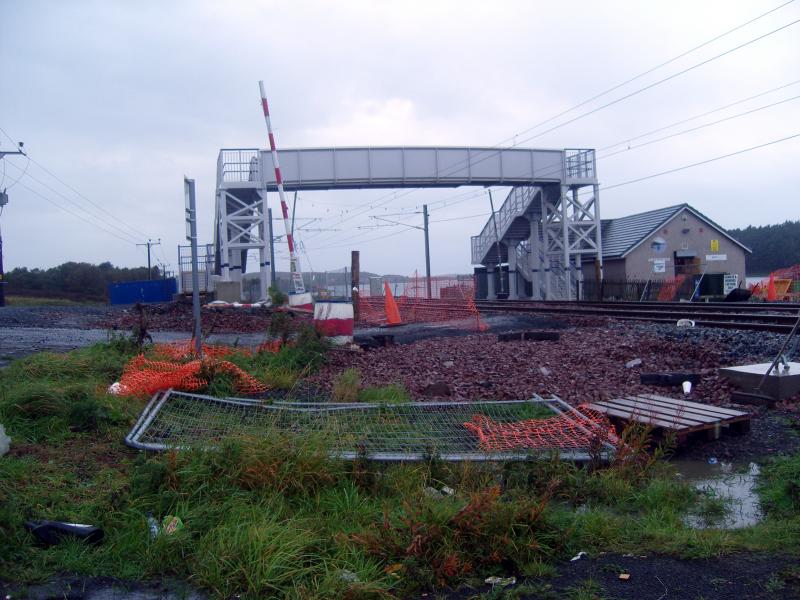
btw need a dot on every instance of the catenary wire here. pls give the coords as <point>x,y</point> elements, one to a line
<point>76,215</point>
<point>630,94</point>
<point>78,206</point>
<point>78,193</point>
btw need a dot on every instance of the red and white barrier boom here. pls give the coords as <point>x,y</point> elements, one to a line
<point>301,297</point>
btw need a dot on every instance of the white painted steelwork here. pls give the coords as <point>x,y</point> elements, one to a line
<point>547,223</point>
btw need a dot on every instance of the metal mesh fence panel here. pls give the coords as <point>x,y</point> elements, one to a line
<point>403,431</point>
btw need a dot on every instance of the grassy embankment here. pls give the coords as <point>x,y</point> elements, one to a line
<point>35,301</point>
<point>274,516</point>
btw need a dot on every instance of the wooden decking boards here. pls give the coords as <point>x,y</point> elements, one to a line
<point>681,416</point>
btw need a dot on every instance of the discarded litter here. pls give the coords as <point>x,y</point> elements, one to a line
<point>712,460</point>
<point>435,494</point>
<point>171,524</point>
<point>624,576</point>
<point>633,363</point>
<point>152,524</point>
<point>578,556</point>
<point>348,576</point>
<point>687,387</point>
<point>5,441</point>
<point>53,532</point>
<point>501,581</point>
<point>432,493</point>
<point>685,323</point>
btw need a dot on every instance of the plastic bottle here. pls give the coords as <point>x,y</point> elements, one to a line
<point>152,524</point>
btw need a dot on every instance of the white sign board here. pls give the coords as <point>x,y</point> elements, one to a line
<point>730,282</point>
<point>659,265</point>
<point>716,257</point>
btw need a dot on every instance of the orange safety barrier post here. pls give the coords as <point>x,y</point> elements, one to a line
<point>392,312</point>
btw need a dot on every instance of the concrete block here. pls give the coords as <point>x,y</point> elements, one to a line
<point>541,336</point>
<point>668,379</point>
<point>509,336</point>
<point>780,384</point>
<point>229,291</point>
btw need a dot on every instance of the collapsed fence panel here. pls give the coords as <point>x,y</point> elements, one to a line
<point>411,431</point>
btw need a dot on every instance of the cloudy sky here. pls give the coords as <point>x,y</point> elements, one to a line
<point>116,101</point>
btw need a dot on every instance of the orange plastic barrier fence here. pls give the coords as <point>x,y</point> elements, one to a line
<point>560,431</point>
<point>185,349</point>
<point>451,299</point>
<point>670,288</point>
<point>143,376</point>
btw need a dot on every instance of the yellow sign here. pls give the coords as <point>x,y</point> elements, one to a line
<point>714,246</point>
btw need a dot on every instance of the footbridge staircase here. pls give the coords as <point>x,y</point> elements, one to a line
<point>543,234</point>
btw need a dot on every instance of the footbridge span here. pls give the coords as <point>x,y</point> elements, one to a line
<point>542,228</point>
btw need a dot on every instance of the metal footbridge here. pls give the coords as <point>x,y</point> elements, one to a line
<point>541,181</point>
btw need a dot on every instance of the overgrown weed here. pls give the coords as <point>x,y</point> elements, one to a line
<point>275,515</point>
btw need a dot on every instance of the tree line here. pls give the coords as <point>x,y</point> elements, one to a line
<point>72,280</point>
<point>774,246</point>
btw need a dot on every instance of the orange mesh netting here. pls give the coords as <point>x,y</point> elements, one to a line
<point>562,431</point>
<point>670,288</point>
<point>185,349</point>
<point>451,299</point>
<point>143,376</point>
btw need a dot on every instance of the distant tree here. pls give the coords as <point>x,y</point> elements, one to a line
<point>77,281</point>
<point>773,246</point>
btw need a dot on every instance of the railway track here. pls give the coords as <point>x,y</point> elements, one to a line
<point>777,318</point>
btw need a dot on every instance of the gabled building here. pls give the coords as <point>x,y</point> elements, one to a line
<point>668,242</point>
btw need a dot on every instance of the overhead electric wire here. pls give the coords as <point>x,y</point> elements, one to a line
<point>705,114</point>
<point>640,90</point>
<point>76,215</point>
<point>138,232</point>
<point>78,206</point>
<point>685,131</point>
<point>648,71</point>
<point>25,170</point>
<point>702,162</point>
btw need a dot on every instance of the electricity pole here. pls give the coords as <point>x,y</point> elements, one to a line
<point>3,202</point>
<point>427,249</point>
<point>150,243</point>
<point>424,228</point>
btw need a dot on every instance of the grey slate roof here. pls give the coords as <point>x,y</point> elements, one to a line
<point>622,235</point>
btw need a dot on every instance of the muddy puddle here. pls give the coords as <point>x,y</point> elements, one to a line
<point>731,483</point>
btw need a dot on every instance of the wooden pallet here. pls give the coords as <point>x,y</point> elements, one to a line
<point>681,416</point>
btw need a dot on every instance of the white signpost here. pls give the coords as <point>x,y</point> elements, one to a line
<point>191,237</point>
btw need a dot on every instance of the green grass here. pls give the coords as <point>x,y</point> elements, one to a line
<point>33,301</point>
<point>274,516</point>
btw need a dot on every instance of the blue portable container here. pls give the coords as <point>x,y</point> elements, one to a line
<point>130,292</point>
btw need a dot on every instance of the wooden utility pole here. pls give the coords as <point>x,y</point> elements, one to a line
<point>355,269</point>
<point>3,202</point>
<point>149,244</point>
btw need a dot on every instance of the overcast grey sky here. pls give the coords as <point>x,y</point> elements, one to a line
<point>121,99</point>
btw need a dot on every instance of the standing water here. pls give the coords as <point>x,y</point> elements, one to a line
<point>732,483</point>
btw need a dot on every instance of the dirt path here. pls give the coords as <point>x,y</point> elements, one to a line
<point>732,577</point>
